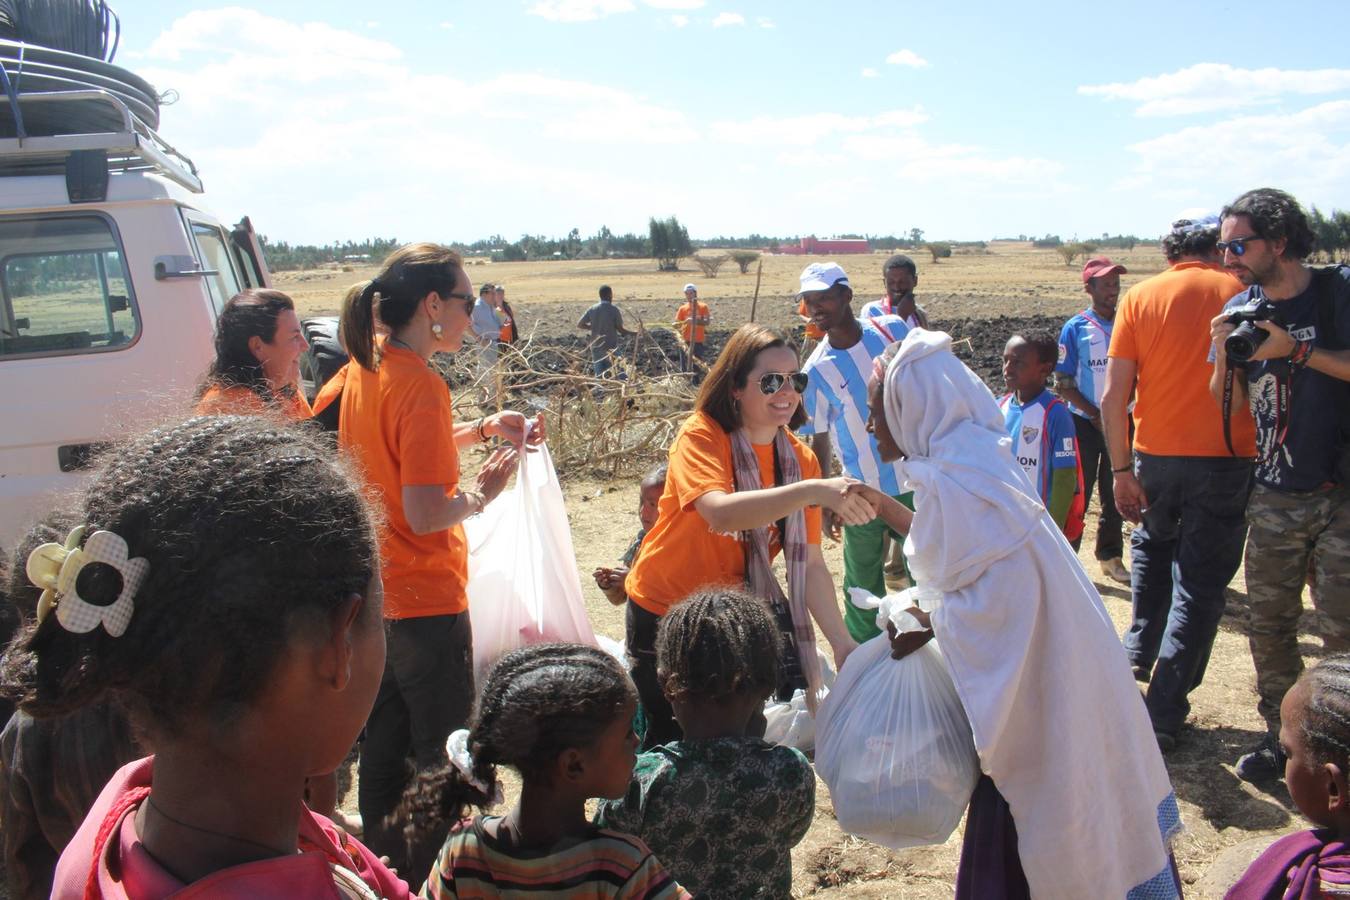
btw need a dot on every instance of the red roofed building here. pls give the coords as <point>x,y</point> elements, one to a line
<point>810,246</point>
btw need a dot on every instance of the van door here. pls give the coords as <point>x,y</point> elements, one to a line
<point>248,253</point>
<point>215,256</point>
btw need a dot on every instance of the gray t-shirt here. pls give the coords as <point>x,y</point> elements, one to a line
<point>604,320</point>
<point>484,320</point>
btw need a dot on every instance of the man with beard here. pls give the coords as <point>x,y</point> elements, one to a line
<point>1181,487</point>
<point>1298,383</point>
<point>901,278</point>
<point>1080,377</point>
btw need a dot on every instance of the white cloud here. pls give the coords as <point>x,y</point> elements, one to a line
<point>675,4</point>
<point>870,72</point>
<point>728,18</point>
<point>810,129</point>
<point>447,25</point>
<point>579,10</point>
<point>764,23</point>
<point>907,58</point>
<point>679,21</point>
<point>1307,152</point>
<point>1209,87</point>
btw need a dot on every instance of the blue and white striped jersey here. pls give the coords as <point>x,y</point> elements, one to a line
<point>1083,342</point>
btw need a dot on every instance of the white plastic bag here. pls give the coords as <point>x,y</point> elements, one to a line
<point>790,723</point>
<point>523,584</point>
<point>893,742</point>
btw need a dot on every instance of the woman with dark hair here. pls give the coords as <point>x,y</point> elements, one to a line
<point>740,489</point>
<point>259,343</point>
<point>396,420</point>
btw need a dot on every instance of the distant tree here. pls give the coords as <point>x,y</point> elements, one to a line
<point>744,258</point>
<point>1049,242</point>
<point>916,236</point>
<point>670,241</point>
<point>939,251</point>
<point>1069,252</point>
<point>1088,248</point>
<point>710,264</point>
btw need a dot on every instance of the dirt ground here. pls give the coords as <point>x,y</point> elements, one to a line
<point>982,298</point>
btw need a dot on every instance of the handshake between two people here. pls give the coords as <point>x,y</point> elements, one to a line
<point>847,501</point>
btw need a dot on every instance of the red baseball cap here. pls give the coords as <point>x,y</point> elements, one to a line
<point>1101,265</point>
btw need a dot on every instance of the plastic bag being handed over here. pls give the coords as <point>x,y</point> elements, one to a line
<point>523,584</point>
<point>893,742</point>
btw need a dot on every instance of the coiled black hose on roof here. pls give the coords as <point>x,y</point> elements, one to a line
<point>87,27</point>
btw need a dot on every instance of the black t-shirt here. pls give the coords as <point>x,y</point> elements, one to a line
<point>1317,423</point>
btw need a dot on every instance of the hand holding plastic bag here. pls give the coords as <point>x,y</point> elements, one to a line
<point>893,742</point>
<point>523,585</point>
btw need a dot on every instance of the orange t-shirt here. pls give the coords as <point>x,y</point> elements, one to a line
<point>700,331</point>
<point>505,334</point>
<point>812,331</point>
<point>398,425</point>
<point>682,553</point>
<point>239,400</point>
<point>1162,324</point>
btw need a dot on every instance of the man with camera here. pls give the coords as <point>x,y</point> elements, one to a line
<point>1283,347</point>
<point>1181,488</point>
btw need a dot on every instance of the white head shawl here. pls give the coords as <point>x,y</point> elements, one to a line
<point>1058,722</point>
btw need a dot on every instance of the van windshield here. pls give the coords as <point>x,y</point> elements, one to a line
<point>63,287</point>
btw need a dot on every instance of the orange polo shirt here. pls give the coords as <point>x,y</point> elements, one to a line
<point>1162,324</point>
<point>700,331</point>
<point>398,425</point>
<point>682,553</point>
<point>238,400</point>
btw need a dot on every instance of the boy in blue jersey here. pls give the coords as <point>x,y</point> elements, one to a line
<point>1080,377</point>
<point>836,421</point>
<point>1041,427</point>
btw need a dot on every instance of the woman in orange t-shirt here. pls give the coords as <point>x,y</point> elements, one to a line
<point>396,421</point>
<point>257,367</point>
<point>741,488</point>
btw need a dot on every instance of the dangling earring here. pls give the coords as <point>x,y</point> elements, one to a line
<point>436,330</point>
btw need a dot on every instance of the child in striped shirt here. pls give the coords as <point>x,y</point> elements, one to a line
<point>1041,427</point>
<point>561,715</point>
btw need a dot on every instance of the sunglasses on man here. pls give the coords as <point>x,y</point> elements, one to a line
<point>1238,246</point>
<point>771,383</point>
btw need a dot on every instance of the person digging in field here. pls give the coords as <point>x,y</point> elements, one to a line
<point>1080,379</point>
<point>1041,430</point>
<point>1075,801</point>
<point>836,423</point>
<point>610,580</point>
<point>605,323</point>
<point>901,277</point>
<point>692,319</point>
<point>741,489</point>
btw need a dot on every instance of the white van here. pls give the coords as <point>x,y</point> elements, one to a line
<point>112,274</point>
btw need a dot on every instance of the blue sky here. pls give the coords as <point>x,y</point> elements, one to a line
<point>455,120</point>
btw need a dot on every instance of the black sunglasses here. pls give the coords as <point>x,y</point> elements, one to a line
<point>771,383</point>
<point>1237,245</point>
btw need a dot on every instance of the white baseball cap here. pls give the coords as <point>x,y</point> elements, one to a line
<point>822,277</point>
<point>690,287</point>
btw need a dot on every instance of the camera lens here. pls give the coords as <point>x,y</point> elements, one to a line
<point>1243,341</point>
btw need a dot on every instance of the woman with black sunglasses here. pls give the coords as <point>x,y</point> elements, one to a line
<point>740,489</point>
<point>396,420</point>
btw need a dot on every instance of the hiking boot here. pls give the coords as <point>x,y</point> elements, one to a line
<point>1264,763</point>
<point>1115,569</point>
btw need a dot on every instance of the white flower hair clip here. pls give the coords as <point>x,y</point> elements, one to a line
<point>56,568</point>
<point>457,748</point>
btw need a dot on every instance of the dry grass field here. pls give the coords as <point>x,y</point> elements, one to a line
<point>981,297</point>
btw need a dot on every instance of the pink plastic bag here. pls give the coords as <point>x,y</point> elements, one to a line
<point>523,583</point>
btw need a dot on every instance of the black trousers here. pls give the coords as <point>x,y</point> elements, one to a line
<point>426,692</point>
<point>640,639</point>
<point>1096,463</point>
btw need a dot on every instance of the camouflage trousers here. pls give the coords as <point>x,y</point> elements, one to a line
<point>1287,532</point>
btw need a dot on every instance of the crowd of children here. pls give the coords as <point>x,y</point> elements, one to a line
<point>205,634</point>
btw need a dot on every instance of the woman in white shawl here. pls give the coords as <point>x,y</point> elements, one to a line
<point>1063,737</point>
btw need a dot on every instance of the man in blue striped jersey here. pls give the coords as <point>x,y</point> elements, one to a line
<point>836,421</point>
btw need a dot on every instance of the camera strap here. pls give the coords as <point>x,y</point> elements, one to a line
<point>1282,392</point>
<point>1229,376</point>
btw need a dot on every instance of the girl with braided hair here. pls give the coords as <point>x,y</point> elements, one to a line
<point>222,584</point>
<point>721,807</point>
<point>1315,741</point>
<point>560,715</point>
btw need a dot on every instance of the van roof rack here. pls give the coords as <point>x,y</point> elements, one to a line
<point>128,144</point>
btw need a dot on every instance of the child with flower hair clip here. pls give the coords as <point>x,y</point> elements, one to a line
<point>223,585</point>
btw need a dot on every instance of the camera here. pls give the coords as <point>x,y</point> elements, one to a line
<point>1248,336</point>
